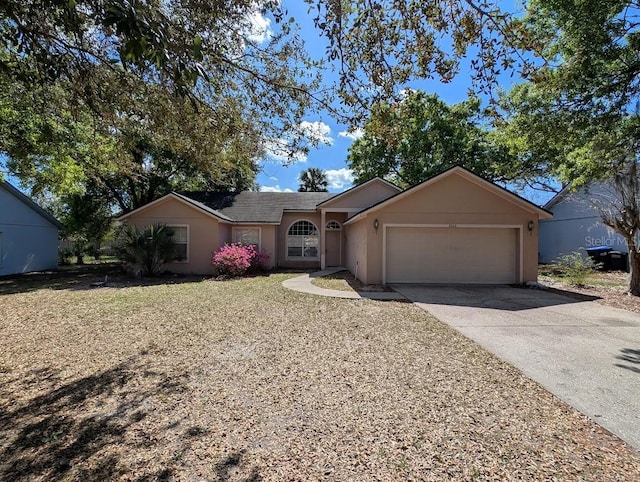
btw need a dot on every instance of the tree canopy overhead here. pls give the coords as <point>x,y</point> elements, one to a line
<point>376,46</point>
<point>141,97</point>
<point>145,144</point>
<point>208,52</point>
<point>382,45</point>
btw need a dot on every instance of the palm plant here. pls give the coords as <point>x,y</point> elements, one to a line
<point>313,180</point>
<point>147,250</point>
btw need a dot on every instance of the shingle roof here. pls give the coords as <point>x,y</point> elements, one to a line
<point>202,206</point>
<point>256,207</point>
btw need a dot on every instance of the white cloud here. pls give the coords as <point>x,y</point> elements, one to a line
<point>275,188</point>
<point>278,150</point>
<point>317,132</point>
<point>273,178</point>
<point>354,135</point>
<point>339,178</point>
<point>259,27</point>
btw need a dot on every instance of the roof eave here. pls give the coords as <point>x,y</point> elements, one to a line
<point>356,188</point>
<point>502,192</point>
<point>182,199</point>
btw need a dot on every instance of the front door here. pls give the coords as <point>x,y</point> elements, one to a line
<point>333,249</point>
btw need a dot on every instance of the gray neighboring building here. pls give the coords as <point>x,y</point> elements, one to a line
<point>576,224</point>
<point>28,234</point>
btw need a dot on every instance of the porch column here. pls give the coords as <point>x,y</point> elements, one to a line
<point>323,251</point>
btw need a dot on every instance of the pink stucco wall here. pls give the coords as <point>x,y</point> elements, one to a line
<point>452,200</point>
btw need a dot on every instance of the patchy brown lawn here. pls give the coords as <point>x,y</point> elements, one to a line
<point>245,380</point>
<point>608,288</point>
<point>345,281</point>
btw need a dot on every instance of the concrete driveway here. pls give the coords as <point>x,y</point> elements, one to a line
<point>585,353</point>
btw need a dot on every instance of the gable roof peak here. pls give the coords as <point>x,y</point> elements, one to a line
<point>30,203</point>
<point>466,173</point>
<point>361,186</point>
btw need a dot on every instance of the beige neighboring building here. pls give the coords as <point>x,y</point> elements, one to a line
<point>453,228</point>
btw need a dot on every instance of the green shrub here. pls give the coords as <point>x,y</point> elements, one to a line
<point>64,256</point>
<point>575,268</point>
<point>146,251</point>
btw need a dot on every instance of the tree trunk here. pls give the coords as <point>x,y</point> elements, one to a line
<point>634,263</point>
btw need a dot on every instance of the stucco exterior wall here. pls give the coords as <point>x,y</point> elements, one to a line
<point>576,225</point>
<point>267,238</point>
<point>452,200</point>
<point>288,218</point>
<point>356,249</point>
<point>28,241</point>
<point>364,197</point>
<point>203,232</point>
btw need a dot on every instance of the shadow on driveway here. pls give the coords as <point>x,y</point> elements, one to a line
<point>629,355</point>
<point>498,297</point>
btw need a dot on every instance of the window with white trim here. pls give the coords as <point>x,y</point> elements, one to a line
<point>247,236</point>
<point>302,240</point>
<point>181,240</point>
<point>333,226</point>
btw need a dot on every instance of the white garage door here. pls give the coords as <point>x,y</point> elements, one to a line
<point>451,255</point>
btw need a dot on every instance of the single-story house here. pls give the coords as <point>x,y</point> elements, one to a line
<point>577,224</point>
<point>28,234</point>
<point>453,228</point>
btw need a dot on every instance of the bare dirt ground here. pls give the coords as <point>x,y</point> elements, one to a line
<point>608,288</point>
<point>243,380</point>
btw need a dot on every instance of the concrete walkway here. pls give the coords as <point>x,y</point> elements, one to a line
<point>303,284</point>
<point>586,353</point>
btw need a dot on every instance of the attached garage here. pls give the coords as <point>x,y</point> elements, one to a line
<point>451,254</point>
<point>453,228</point>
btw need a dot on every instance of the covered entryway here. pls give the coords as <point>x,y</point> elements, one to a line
<point>333,240</point>
<point>451,254</point>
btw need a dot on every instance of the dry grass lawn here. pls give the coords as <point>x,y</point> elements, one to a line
<point>609,288</point>
<point>345,281</point>
<point>244,380</point>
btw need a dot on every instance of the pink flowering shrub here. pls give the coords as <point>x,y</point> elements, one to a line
<point>238,259</point>
<point>260,261</point>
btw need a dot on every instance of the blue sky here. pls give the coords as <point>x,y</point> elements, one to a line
<point>331,155</point>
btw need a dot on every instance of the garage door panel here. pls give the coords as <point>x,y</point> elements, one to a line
<point>451,255</point>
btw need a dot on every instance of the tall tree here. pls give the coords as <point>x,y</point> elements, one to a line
<point>313,180</point>
<point>139,145</point>
<point>87,220</point>
<point>410,141</point>
<point>113,104</point>
<point>577,117</point>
